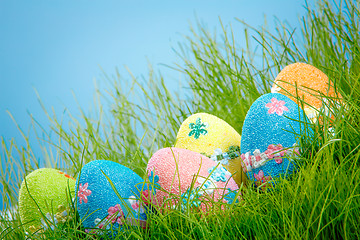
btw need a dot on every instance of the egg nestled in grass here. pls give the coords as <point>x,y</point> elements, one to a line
<point>44,199</point>
<point>186,179</point>
<point>308,83</point>
<point>271,133</point>
<point>213,137</point>
<point>109,197</point>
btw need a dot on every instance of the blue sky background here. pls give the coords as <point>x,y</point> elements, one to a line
<point>57,47</point>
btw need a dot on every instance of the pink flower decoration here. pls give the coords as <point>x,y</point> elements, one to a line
<point>275,149</point>
<point>83,193</point>
<point>269,151</point>
<point>113,214</point>
<point>243,167</point>
<point>276,107</point>
<point>259,176</point>
<point>145,197</point>
<point>245,161</point>
<point>296,150</point>
<point>135,205</point>
<point>119,220</point>
<point>262,179</point>
<point>113,210</point>
<point>278,160</point>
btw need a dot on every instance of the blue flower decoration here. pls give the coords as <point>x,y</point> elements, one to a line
<point>218,174</point>
<point>230,196</point>
<point>198,128</point>
<point>154,182</point>
<point>190,199</point>
<point>207,184</point>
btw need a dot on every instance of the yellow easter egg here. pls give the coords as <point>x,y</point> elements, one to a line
<point>311,85</point>
<point>213,137</point>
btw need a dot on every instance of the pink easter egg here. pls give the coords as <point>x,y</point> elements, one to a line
<point>186,179</point>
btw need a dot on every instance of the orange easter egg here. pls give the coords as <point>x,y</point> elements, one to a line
<point>311,86</point>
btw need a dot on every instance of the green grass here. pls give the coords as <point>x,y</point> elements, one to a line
<point>224,77</point>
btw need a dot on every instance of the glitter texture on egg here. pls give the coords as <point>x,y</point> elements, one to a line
<point>213,137</point>
<point>50,189</point>
<point>108,196</point>
<point>270,135</point>
<point>310,81</point>
<point>188,179</point>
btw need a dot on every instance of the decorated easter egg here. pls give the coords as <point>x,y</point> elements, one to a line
<point>270,138</point>
<point>108,197</point>
<point>186,179</point>
<point>307,82</point>
<point>213,137</point>
<point>44,199</point>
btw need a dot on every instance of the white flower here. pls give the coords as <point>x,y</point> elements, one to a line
<point>132,200</point>
<point>97,221</point>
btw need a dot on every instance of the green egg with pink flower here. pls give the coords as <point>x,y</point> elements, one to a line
<point>271,133</point>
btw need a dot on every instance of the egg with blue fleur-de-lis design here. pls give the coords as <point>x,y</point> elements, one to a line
<point>311,85</point>
<point>185,179</point>
<point>213,137</point>
<point>270,138</point>
<point>45,199</point>
<point>110,196</point>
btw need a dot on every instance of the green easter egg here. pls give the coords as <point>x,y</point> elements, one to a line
<point>44,197</point>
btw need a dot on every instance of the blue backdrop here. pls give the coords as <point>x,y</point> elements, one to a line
<point>57,47</point>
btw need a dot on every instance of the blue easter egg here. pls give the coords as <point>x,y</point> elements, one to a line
<point>270,134</point>
<point>108,197</point>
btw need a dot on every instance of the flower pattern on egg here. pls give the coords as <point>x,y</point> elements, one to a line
<point>207,185</point>
<point>83,193</point>
<point>219,174</point>
<point>230,196</point>
<point>276,106</point>
<point>198,128</point>
<point>146,199</point>
<point>137,206</point>
<point>258,159</point>
<point>262,179</point>
<point>115,215</point>
<point>275,151</point>
<point>190,198</point>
